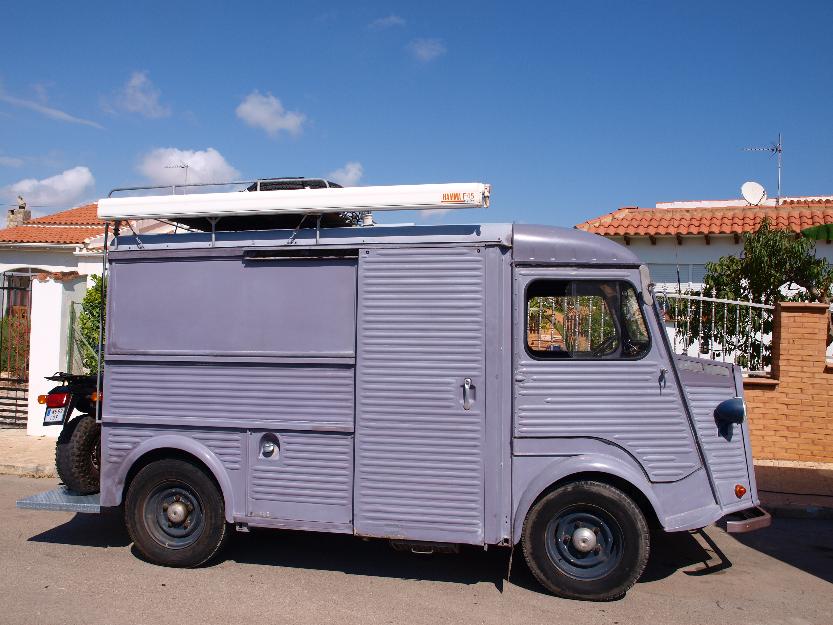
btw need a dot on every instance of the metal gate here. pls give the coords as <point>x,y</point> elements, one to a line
<point>15,326</point>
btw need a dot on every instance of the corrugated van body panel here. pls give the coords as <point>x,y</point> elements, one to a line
<point>617,401</point>
<point>309,477</point>
<point>302,395</point>
<point>707,384</point>
<point>419,453</point>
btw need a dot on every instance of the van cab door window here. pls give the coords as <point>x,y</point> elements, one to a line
<point>595,320</point>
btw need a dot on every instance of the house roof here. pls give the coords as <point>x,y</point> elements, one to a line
<point>69,227</point>
<point>794,215</point>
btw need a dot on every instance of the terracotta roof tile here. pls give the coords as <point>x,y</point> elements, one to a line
<point>792,215</point>
<point>86,214</point>
<point>66,235</point>
<point>73,226</point>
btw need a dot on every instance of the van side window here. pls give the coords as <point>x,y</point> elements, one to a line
<point>585,319</point>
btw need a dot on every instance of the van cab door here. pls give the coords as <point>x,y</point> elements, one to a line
<point>589,364</point>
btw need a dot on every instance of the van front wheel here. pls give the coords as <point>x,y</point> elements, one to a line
<point>174,513</point>
<point>586,540</point>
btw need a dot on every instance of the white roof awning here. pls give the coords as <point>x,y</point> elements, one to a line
<point>312,201</point>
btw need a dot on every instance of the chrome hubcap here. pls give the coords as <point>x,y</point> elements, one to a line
<point>584,540</point>
<point>177,512</point>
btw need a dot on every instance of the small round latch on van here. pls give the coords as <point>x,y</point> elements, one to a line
<point>268,448</point>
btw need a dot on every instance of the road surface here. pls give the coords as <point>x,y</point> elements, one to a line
<point>59,567</point>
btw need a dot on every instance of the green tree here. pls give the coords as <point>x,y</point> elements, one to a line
<point>88,320</point>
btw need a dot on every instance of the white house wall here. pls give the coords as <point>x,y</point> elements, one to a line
<point>61,259</point>
<point>694,252</point>
<point>44,350</point>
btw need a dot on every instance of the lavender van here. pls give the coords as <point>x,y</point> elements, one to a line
<point>493,384</point>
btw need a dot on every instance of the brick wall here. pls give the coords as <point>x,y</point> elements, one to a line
<point>791,414</point>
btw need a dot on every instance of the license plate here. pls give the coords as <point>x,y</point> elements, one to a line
<point>53,415</point>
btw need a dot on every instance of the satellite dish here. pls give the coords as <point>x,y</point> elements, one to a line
<point>753,192</point>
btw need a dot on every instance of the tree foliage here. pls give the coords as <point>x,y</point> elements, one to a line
<point>88,321</point>
<point>775,265</point>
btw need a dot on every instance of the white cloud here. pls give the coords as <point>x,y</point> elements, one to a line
<point>47,111</point>
<point>386,22</point>
<point>140,96</point>
<point>62,190</point>
<point>425,50</point>
<point>267,112</point>
<point>203,166</point>
<point>10,161</point>
<point>347,176</point>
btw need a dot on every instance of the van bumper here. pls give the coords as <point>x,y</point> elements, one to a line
<point>747,520</point>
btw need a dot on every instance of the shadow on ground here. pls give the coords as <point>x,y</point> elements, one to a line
<point>88,530</point>
<point>806,544</point>
<point>347,554</point>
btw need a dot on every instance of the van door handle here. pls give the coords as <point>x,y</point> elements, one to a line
<point>467,394</point>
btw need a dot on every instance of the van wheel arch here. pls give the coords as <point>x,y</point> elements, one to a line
<point>171,453</point>
<point>627,487</point>
<point>639,498</point>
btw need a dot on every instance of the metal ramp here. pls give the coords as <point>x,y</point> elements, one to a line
<point>62,499</point>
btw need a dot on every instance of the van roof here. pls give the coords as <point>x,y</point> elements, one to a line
<point>534,244</point>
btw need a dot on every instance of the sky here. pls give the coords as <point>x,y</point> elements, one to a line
<point>568,109</point>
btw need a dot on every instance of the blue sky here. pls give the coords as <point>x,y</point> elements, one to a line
<point>569,109</point>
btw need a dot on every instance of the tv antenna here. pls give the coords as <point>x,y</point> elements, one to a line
<point>182,165</point>
<point>774,149</point>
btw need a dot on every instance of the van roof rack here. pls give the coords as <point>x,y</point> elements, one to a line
<point>298,196</point>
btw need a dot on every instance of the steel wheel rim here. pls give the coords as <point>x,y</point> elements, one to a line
<point>569,526</point>
<point>169,533</point>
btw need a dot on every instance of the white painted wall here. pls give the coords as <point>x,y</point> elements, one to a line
<point>44,350</point>
<point>693,253</point>
<point>57,259</point>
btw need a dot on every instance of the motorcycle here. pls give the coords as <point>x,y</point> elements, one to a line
<point>78,450</point>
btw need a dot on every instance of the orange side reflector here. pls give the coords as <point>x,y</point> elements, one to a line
<point>740,490</point>
<point>95,396</point>
<point>41,399</point>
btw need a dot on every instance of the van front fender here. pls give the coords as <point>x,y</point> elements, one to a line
<point>560,469</point>
<point>112,489</point>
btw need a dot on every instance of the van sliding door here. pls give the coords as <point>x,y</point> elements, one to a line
<point>420,394</point>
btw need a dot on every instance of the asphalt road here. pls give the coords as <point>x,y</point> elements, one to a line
<point>65,568</point>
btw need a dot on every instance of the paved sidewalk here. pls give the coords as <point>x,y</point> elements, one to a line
<point>32,456</point>
<point>796,489</point>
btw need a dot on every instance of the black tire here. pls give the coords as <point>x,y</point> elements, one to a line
<point>586,540</point>
<point>78,455</point>
<point>198,530</point>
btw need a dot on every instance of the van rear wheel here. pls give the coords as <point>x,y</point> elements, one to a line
<point>78,455</point>
<point>586,540</point>
<point>175,515</point>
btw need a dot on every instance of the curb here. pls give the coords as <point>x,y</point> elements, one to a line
<point>800,512</point>
<point>30,470</point>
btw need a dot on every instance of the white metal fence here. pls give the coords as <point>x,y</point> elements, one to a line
<point>720,329</point>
